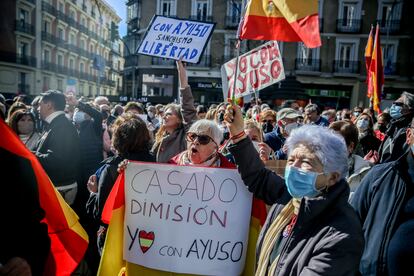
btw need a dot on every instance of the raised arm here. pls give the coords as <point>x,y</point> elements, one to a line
<point>186,97</point>
<point>263,183</point>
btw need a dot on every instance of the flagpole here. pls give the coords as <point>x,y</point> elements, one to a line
<point>233,94</point>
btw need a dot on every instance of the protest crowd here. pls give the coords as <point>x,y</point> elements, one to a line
<point>342,206</point>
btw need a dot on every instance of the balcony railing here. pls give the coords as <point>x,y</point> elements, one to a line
<point>162,61</point>
<point>24,27</point>
<point>48,37</point>
<point>17,58</point>
<point>232,22</point>
<point>205,61</point>
<point>207,18</point>
<point>62,16</point>
<point>389,26</point>
<point>46,65</point>
<point>348,25</point>
<point>23,88</point>
<point>310,65</point>
<point>49,8</point>
<point>346,66</point>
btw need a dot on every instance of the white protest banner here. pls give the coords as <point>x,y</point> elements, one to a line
<point>174,38</point>
<point>186,219</point>
<point>258,69</point>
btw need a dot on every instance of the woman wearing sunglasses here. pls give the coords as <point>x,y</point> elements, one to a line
<point>311,229</point>
<point>177,119</point>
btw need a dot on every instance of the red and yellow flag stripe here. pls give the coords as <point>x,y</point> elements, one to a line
<point>69,240</point>
<point>284,20</point>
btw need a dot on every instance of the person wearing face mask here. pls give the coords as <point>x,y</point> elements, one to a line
<point>401,112</point>
<point>203,140</point>
<point>384,203</point>
<point>357,166</point>
<point>23,124</point>
<point>355,113</point>
<point>267,120</point>
<point>311,229</point>
<point>287,122</point>
<point>382,125</point>
<point>367,140</point>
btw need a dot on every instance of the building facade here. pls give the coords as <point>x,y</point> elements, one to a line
<point>333,75</point>
<point>60,44</point>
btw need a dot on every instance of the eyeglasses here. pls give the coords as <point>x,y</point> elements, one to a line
<point>202,139</point>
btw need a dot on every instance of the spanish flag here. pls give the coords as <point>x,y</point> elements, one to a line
<point>112,262</point>
<point>376,73</point>
<point>284,20</point>
<point>68,239</point>
<point>368,50</point>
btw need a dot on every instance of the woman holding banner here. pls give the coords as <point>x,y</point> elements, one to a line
<point>203,142</point>
<point>170,138</point>
<point>311,229</point>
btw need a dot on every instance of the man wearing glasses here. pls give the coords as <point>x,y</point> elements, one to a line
<point>402,112</point>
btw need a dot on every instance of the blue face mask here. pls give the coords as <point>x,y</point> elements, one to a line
<point>362,124</point>
<point>301,183</point>
<point>395,111</point>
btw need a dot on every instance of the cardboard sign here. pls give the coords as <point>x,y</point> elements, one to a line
<point>186,219</point>
<point>258,69</point>
<point>174,38</point>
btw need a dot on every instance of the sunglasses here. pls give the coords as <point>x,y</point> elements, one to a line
<point>268,121</point>
<point>202,139</point>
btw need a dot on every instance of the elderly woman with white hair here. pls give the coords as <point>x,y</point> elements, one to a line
<point>203,141</point>
<point>311,229</point>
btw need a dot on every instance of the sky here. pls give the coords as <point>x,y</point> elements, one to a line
<point>120,8</point>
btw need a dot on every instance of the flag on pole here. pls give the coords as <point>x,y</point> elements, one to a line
<point>112,262</point>
<point>69,240</point>
<point>284,20</point>
<point>376,73</point>
<point>368,53</point>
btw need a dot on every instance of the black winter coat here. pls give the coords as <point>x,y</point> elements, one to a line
<point>378,201</point>
<point>327,237</point>
<point>58,151</point>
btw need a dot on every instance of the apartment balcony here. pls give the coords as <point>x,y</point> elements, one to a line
<point>46,65</point>
<point>72,22</point>
<point>205,61</point>
<point>48,37</point>
<point>232,22</point>
<point>24,27</point>
<point>33,2</point>
<point>17,58</point>
<point>49,8</point>
<point>389,26</point>
<point>84,8</point>
<point>346,66</point>
<point>206,18</point>
<point>60,69</point>
<point>308,65</point>
<point>162,61</point>
<point>348,25</point>
<point>23,88</point>
<point>93,14</point>
<point>62,16</point>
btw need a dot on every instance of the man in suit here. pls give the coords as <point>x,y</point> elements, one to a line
<point>58,148</point>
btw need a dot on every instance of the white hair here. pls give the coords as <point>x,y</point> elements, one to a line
<point>328,146</point>
<point>207,127</point>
